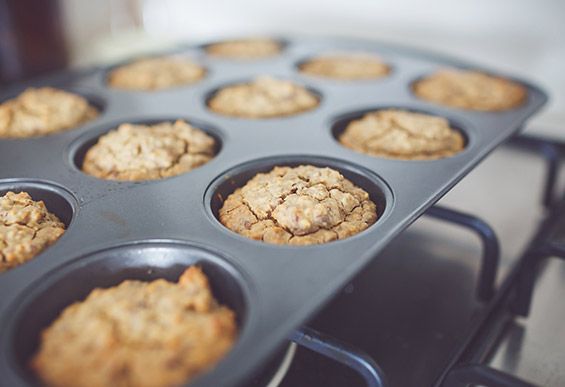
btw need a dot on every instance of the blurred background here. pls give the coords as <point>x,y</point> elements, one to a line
<point>521,37</point>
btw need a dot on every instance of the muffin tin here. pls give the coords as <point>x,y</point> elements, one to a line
<point>145,230</point>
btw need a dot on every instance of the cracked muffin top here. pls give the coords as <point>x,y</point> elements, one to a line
<point>264,97</point>
<point>151,74</point>
<point>401,134</point>
<point>137,333</point>
<point>346,66</point>
<point>471,90</point>
<point>43,111</point>
<point>244,49</point>
<point>148,152</point>
<point>301,205</point>
<point>26,229</point>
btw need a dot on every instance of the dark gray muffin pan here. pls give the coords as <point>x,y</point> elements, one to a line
<point>146,230</point>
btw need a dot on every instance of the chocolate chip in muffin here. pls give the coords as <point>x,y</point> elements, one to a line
<point>159,73</point>
<point>473,90</point>
<point>147,152</point>
<point>298,206</point>
<point>401,134</point>
<point>137,333</point>
<point>353,66</point>
<point>43,111</point>
<point>26,229</point>
<point>245,49</point>
<point>264,97</point>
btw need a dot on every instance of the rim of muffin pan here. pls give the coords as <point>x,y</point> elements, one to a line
<point>236,177</point>
<point>78,148</point>
<point>423,75</point>
<point>211,93</point>
<point>41,303</point>
<point>178,52</point>
<point>305,59</point>
<point>339,123</point>
<point>93,98</point>
<point>283,43</point>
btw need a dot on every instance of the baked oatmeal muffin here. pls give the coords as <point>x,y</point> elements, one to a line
<point>471,90</point>
<point>401,134</point>
<point>264,97</point>
<point>137,333</point>
<point>43,111</point>
<point>301,205</point>
<point>346,66</point>
<point>148,152</point>
<point>245,49</point>
<point>155,74</point>
<point>26,229</point>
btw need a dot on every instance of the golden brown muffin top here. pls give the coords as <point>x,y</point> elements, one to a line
<point>144,334</point>
<point>299,206</point>
<point>471,90</point>
<point>402,134</point>
<point>264,97</point>
<point>354,66</point>
<point>26,229</point>
<point>147,152</point>
<point>43,111</point>
<point>159,73</point>
<point>244,49</point>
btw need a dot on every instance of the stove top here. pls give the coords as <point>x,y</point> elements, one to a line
<point>413,310</point>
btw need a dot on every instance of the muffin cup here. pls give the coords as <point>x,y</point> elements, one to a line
<point>94,99</point>
<point>80,146</point>
<point>341,122</point>
<point>40,305</point>
<point>57,199</point>
<point>237,177</point>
